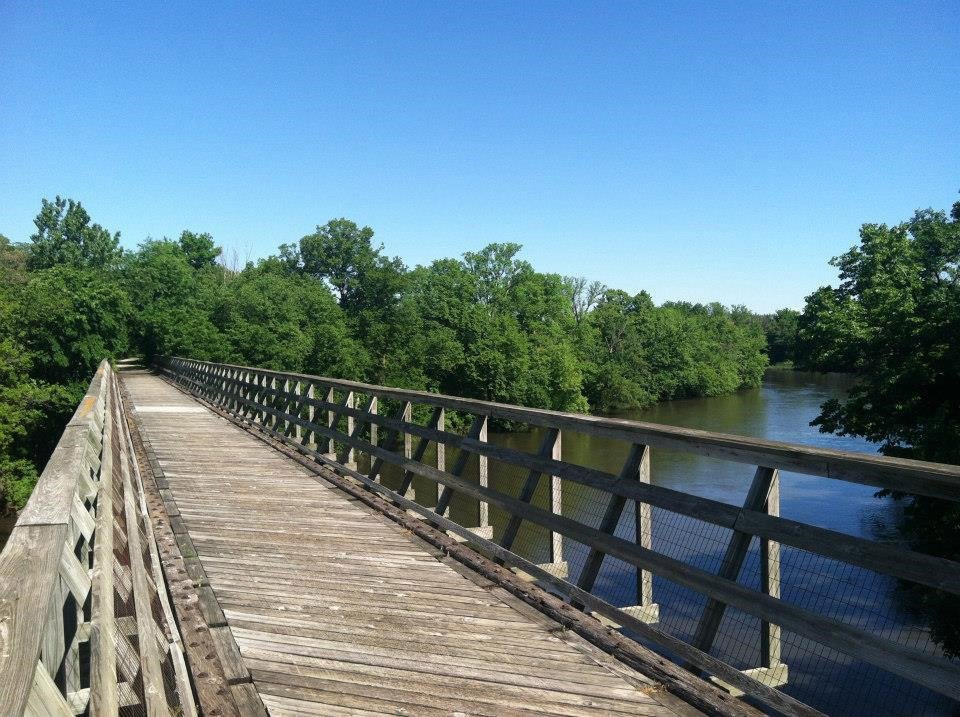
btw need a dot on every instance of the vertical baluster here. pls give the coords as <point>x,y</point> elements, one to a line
<point>441,449</point>
<point>331,448</point>
<point>298,411</point>
<point>483,474</point>
<point>350,402</point>
<point>311,436</point>
<point>556,507</point>
<point>770,583</point>
<point>411,492</point>
<point>643,525</point>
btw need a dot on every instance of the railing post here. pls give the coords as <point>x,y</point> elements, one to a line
<point>411,492</point>
<point>331,447</point>
<point>298,410</point>
<point>374,429</point>
<point>770,582</point>
<point>441,449</point>
<point>350,461</point>
<point>556,507</point>
<point>643,525</point>
<point>483,474</point>
<point>311,436</point>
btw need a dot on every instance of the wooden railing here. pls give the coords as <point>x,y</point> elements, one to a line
<point>333,421</point>
<point>85,627</point>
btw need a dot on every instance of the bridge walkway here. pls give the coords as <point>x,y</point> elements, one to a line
<point>336,610</point>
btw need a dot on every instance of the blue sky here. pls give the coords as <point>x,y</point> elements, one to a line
<point>701,151</point>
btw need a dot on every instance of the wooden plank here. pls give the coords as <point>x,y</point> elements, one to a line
<point>28,576</point>
<point>45,698</point>
<point>233,667</point>
<point>188,706</point>
<point>153,689</point>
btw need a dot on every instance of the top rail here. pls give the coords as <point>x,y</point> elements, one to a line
<point>938,480</point>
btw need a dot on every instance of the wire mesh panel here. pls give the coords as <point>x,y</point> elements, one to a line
<point>789,614</point>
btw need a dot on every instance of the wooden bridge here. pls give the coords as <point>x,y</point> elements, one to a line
<point>223,540</point>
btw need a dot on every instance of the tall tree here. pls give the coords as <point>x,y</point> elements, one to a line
<point>583,295</point>
<point>895,319</point>
<point>781,330</point>
<point>199,249</point>
<point>65,235</point>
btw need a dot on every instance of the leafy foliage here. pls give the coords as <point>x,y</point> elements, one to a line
<point>66,236</point>
<point>781,330</point>
<point>894,320</point>
<point>486,326</point>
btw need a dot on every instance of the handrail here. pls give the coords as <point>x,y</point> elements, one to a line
<point>939,480</point>
<point>59,560</point>
<point>308,413</point>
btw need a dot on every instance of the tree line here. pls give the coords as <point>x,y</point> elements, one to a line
<point>486,325</point>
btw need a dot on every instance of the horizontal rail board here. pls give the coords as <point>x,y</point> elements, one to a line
<point>900,474</point>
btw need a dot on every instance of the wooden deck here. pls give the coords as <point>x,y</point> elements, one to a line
<point>336,610</point>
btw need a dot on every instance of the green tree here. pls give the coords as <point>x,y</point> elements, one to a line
<point>175,303</point>
<point>70,320</point>
<point>341,253</point>
<point>895,319</point>
<point>493,328</point>
<point>781,331</point>
<point>199,249</point>
<point>289,323</point>
<point>65,236</point>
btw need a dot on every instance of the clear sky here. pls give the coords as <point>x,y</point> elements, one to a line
<point>701,151</point>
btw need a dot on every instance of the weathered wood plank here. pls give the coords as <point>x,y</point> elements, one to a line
<point>149,655</point>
